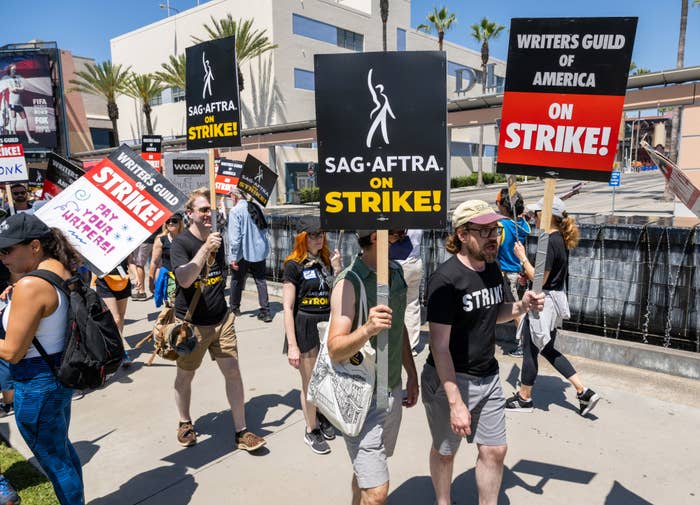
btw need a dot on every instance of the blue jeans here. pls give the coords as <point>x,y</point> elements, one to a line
<point>42,413</point>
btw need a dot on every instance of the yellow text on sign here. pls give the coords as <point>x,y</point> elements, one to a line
<point>383,201</point>
<point>210,131</point>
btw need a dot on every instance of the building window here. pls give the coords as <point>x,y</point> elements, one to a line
<point>178,94</point>
<point>317,30</point>
<point>156,100</point>
<point>303,79</point>
<point>400,39</point>
<point>102,138</point>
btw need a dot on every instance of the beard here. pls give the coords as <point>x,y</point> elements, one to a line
<point>488,252</point>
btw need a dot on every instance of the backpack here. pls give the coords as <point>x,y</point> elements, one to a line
<point>93,347</point>
<point>256,214</point>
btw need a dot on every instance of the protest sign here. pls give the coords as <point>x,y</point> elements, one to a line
<point>257,180</point>
<point>227,174</point>
<point>113,208</point>
<point>187,170</point>
<point>60,173</point>
<point>213,116</point>
<point>565,88</point>
<point>13,166</point>
<point>382,140</point>
<point>678,183</point>
<point>151,151</point>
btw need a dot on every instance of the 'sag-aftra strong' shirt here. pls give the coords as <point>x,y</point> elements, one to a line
<point>469,301</point>
<point>211,307</point>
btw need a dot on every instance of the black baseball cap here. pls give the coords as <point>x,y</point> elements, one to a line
<point>308,223</point>
<point>21,227</point>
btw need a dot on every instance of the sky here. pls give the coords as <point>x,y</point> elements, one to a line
<point>85,27</point>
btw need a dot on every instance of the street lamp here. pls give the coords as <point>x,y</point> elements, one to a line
<point>168,8</point>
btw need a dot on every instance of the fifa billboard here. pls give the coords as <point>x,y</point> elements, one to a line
<point>27,107</point>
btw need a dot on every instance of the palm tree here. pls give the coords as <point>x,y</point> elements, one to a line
<point>384,13</point>
<point>173,73</point>
<point>107,80</point>
<point>268,102</point>
<point>483,32</point>
<point>440,21</point>
<point>249,42</point>
<point>145,88</point>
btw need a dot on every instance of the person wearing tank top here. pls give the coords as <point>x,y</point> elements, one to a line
<point>37,309</point>
<point>161,280</point>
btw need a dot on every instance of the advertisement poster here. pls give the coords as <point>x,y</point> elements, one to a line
<point>257,180</point>
<point>26,100</point>
<point>60,173</point>
<point>382,140</point>
<point>113,208</point>
<point>565,88</point>
<point>213,115</point>
<point>151,151</point>
<point>13,166</point>
<point>227,174</point>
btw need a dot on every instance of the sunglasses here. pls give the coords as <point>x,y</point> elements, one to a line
<point>318,234</point>
<point>7,250</point>
<point>173,221</point>
<point>18,193</point>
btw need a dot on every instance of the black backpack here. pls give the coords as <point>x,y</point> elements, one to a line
<point>94,347</point>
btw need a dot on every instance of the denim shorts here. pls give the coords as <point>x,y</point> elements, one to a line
<point>6,383</point>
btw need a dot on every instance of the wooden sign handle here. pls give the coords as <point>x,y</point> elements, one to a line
<point>546,216</point>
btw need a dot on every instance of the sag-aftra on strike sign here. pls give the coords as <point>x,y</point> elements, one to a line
<point>382,140</point>
<point>565,88</point>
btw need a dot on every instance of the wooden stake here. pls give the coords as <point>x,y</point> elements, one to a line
<point>10,201</point>
<point>383,337</point>
<point>546,216</point>
<point>212,190</point>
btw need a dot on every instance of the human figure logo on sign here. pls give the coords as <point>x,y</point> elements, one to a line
<point>208,76</point>
<point>382,109</point>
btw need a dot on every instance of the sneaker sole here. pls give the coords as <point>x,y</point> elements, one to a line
<point>591,404</point>
<point>521,409</point>
<point>310,444</point>
<point>187,444</point>
<point>248,448</point>
<point>331,437</point>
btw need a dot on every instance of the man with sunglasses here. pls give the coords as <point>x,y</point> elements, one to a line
<point>462,391</point>
<point>20,198</point>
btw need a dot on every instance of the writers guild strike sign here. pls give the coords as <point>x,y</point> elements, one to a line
<point>13,167</point>
<point>227,175</point>
<point>60,173</point>
<point>213,117</point>
<point>113,208</point>
<point>382,140</point>
<point>565,88</point>
<point>151,149</point>
<point>257,180</point>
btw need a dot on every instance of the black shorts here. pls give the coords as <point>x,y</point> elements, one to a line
<point>306,330</point>
<point>103,290</point>
<point>17,108</point>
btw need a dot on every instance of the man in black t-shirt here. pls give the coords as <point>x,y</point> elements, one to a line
<point>198,261</point>
<point>462,391</point>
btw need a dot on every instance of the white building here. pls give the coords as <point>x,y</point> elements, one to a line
<point>282,79</point>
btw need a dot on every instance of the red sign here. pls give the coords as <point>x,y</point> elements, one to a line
<point>227,175</point>
<point>155,160</point>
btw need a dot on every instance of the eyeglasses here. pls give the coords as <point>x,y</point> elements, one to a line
<point>18,193</point>
<point>173,221</point>
<point>204,210</point>
<point>492,231</point>
<point>318,234</point>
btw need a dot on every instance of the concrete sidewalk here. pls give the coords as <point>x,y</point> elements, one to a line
<point>639,446</point>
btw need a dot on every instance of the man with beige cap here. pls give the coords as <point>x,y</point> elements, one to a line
<point>462,391</point>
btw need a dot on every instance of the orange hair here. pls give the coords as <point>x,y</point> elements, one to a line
<point>300,252</point>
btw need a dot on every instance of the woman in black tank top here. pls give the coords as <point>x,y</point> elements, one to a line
<point>160,278</point>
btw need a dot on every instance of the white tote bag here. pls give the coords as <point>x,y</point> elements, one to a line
<point>343,391</point>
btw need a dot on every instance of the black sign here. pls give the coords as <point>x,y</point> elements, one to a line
<point>189,167</point>
<point>230,168</point>
<point>213,118</point>
<point>382,140</point>
<point>565,89</point>
<point>60,173</point>
<point>151,144</point>
<point>9,139</point>
<point>257,180</point>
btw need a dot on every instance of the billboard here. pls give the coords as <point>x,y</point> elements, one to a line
<point>26,100</point>
<point>565,88</point>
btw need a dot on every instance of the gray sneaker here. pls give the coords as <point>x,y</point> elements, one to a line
<point>316,441</point>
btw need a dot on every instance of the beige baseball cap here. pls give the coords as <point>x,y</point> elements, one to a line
<point>475,211</point>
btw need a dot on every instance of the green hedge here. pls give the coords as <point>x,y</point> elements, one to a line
<point>307,195</point>
<point>470,180</point>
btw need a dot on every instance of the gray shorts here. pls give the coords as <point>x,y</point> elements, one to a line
<point>484,399</point>
<point>514,283</point>
<point>375,443</point>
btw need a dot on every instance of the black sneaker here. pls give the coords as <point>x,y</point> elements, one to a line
<point>236,312</point>
<point>327,429</point>
<point>587,401</point>
<point>264,315</point>
<point>516,404</point>
<point>7,409</point>
<point>517,352</point>
<point>316,441</point>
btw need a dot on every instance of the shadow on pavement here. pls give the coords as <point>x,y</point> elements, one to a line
<point>86,449</point>
<point>620,495</point>
<point>148,484</point>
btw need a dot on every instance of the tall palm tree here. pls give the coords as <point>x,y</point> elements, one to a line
<point>249,42</point>
<point>268,102</point>
<point>440,21</point>
<point>384,13</point>
<point>107,80</point>
<point>173,73</point>
<point>483,32</point>
<point>144,88</point>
